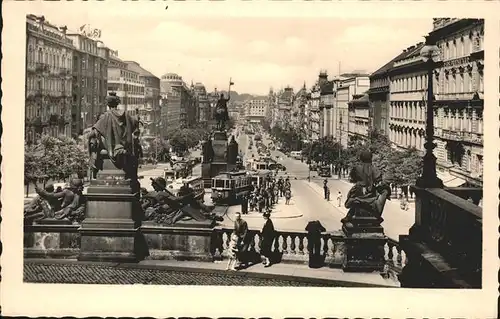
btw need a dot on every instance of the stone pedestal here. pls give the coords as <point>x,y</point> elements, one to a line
<point>179,242</point>
<point>51,238</point>
<point>364,245</point>
<point>112,218</point>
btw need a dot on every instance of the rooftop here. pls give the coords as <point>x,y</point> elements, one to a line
<point>134,66</point>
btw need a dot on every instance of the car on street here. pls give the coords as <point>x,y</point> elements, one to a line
<point>277,166</point>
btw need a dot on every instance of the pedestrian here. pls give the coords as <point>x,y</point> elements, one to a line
<point>233,253</point>
<point>268,234</point>
<point>288,195</point>
<point>328,193</point>
<point>339,199</point>
<point>241,230</point>
<point>314,230</point>
<point>325,188</point>
<point>244,204</point>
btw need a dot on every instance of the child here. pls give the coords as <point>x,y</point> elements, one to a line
<point>233,251</point>
<point>339,198</point>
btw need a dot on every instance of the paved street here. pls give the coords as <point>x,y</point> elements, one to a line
<point>396,221</point>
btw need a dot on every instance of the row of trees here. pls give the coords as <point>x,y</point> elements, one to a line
<point>401,167</point>
<point>54,158</point>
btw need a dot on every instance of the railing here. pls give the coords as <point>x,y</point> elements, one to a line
<point>447,235</point>
<point>292,247</point>
<point>472,193</point>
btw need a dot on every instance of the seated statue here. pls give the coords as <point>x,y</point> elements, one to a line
<point>368,195</point>
<point>39,208</point>
<point>115,136</point>
<point>166,208</point>
<point>72,204</point>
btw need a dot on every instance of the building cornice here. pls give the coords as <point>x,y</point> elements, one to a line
<point>448,29</point>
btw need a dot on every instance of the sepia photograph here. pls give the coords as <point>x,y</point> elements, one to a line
<point>252,151</point>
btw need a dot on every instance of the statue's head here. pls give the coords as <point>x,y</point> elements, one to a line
<point>76,184</point>
<point>49,188</point>
<point>365,157</point>
<point>222,95</point>
<point>112,100</point>
<point>159,183</point>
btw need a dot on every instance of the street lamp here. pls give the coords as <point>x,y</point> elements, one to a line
<point>429,177</point>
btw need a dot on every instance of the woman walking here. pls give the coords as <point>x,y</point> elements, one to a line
<point>268,234</point>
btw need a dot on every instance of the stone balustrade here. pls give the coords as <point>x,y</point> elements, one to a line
<point>54,240</point>
<point>445,242</point>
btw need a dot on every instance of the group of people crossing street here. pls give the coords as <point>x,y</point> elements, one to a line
<point>263,197</point>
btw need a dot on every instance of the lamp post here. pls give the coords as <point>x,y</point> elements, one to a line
<point>429,177</point>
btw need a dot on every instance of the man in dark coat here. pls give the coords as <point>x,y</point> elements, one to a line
<point>268,234</point>
<point>314,230</point>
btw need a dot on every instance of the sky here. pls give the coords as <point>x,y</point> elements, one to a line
<point>256,52</point>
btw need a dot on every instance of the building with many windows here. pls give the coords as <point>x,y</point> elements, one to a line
<point>379,96</point>
<point>172,115</point>
<point>203,103</point>
<point>127,84</point>
<point>90,81</point>
<point>149,112</point>
<point>326,103</point>
<point>360,115</point>
<point>459,90</point>
<point>408,77</point>
<point>314,117</point>
<point>348,86</point>
<point>49,61</point>
<point>255,110</point>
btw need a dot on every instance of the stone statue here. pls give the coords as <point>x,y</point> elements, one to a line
<point>221,113</point>
<point>207,151</point>
<point>168,209</point>
<point>115,136</point>
<point>72,203</point>
<point>368,195</point>
<point>232,151</point>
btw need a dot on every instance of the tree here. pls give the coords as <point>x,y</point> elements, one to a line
<point>184,139</point>
<point>54,158</point>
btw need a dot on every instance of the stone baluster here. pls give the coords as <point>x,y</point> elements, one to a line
<point>399,257</point>
<point>285,244</point>
<point>277,243</point>
<point>301,244</point>
<point>292,244</point>
<point>390,254</point>
<point>325,245</point>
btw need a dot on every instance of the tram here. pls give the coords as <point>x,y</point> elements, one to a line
<point>259,177</point>
<point>194,182</point>
<point>229,187</point>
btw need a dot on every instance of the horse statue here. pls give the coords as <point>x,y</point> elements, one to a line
<point>221,113</point>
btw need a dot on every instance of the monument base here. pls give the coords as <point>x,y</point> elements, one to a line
<point>365,241</point>
<point>178,243</point>
<point>109,231</point>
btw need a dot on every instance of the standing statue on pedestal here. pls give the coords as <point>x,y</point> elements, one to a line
<point>368,195</point>
<point>115,136</point>
<point>221,112</point>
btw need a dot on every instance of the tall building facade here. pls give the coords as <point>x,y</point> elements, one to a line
<point>459,90</point>
<point>49,61</point>
<point>327,94</point>
<point>255,110</point>
<point>149,111</point>
<point>173,117</point>
<point>127,84</point>
<point>348,86</point>
<point>285,100</point>
<point>314,113</point>
<point>407,99</point>
<point>90,81</point>
<point>379,96</point>
<point>203,103</point>
<point>360,116</point>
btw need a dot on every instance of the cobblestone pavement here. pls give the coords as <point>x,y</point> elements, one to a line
<point>104,274</point>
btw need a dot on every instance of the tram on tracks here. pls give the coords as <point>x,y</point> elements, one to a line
<point>194,182</point>
<point>259,177</point>
<point>229,187</point>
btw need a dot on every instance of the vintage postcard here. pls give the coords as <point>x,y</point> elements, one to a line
<point>334,159</point>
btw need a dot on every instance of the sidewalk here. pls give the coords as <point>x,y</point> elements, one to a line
<point>198,273</point>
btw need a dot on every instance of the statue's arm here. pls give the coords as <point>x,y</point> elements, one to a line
<point>46,195</point>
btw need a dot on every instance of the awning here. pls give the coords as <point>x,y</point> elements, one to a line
<point>450,180</point>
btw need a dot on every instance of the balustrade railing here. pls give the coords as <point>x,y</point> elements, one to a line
<point>293,246</point>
